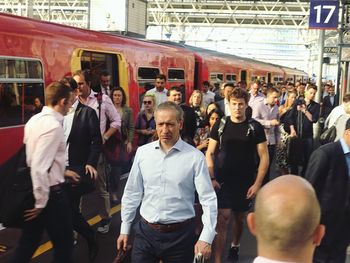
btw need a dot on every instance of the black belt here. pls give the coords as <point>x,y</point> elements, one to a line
<point>57,187</point>
<point>166,228</point>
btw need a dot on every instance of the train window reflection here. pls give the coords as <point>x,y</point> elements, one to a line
<point>19,102</point>
<point>176,75</point>
<point>231,77</point>
<point>20,69</point>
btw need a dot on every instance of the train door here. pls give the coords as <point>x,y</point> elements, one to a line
<point>269,80</point>
<point>196,75</point>
<point>98,61</point>
<point>243,75</point>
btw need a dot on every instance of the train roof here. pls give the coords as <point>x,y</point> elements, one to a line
<point>251,62</point>
<point>36,28</point>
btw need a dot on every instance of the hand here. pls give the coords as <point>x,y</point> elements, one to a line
<point>32,213</point>
<point>274,122</point>
<point>253,190</point>
<point>72,175</point>
<point>293,133</point>
<point>203,248</point>
<point>122,242</point>
<point>91,170</point>
<point>216,185</point>
<point>129,147</point>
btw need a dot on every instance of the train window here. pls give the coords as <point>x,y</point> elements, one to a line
<point>21,88</point>
<point>216,77</point>
<point>146,75</point>
<point>231,78</point>
<point>97,62</point>
<point>176,75</point>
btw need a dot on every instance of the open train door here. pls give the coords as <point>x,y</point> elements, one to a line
<point>96,61</point>
<point>243,75</point>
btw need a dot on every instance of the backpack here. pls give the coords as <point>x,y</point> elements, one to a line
<point>250,132</point>
<point>329,134</point>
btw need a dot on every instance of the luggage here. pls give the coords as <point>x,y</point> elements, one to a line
<point>18,195</point>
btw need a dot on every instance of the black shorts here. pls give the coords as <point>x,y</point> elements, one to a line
<point>230,198</point>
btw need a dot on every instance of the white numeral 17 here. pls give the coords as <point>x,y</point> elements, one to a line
<point>319,8</point>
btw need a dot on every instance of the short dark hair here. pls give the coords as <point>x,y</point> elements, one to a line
<point>347,125</point>
<point>205,83</point>
<point>239,93</point>
<point>86,73</point>
<point>123,94</point>
<point>56,91</point>
<point>176,88</point>
<point>104,73</point>
<point>229,84</point>
<point>161,76</point>
<point>311,86</point>
<point>69,81</point>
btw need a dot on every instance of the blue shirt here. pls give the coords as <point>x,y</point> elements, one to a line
<point>165,185</point>
<point>346,151</point>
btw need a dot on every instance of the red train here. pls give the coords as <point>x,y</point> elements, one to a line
<point>35,53</point>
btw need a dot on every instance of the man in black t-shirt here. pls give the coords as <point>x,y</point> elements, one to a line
<point>239,141</point>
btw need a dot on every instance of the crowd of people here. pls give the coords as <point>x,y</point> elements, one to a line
<point>194,169</point>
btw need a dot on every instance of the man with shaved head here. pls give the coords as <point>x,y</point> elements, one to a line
<point>286,221</point>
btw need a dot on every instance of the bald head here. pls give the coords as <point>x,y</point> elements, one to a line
<point>286,214</point>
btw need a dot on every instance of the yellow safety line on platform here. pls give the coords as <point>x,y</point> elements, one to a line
<point>93,221</point>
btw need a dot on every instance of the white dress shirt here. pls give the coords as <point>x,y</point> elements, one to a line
<point>106,91</point>
<point>160,96</point>
<point>266,260</point>
<point>227,107</point>
<point>165,185</point>
<point>208,98</point>
<point>334,115</point>
<point>45,149</point>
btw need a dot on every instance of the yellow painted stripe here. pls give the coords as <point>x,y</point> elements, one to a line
<point>92,221</point>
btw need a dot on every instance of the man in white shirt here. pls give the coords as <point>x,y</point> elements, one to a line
<point>224,104</point>
<point>159,91</point>
<point>338,111</point>
<point>45,152</point>
<point>286,221</point>
<point>208,96</point>
<point>164,177</point>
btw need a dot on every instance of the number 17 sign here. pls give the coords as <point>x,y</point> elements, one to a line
<point>324,14</point>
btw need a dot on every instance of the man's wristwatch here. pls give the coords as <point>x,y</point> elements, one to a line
<point>213,178</point>
<point>105,137</point>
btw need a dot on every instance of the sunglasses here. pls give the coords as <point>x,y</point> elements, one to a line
<point>147,102</point>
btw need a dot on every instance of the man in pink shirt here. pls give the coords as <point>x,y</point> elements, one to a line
<point>105,111</point>
<point>45,153</point>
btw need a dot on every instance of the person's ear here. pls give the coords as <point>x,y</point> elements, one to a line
<point>181,124</point>
<point>251,223</point>
<point>318,234</point>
